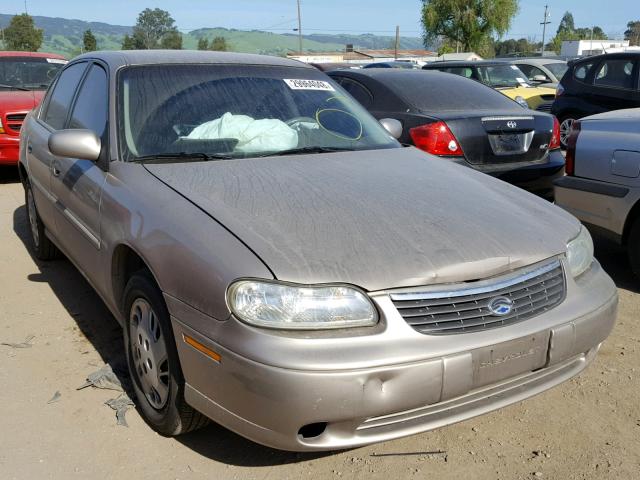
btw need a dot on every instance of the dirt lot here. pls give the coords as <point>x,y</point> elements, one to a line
<point>586,428</point>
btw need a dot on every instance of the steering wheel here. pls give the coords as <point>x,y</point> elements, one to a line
<point>292,121</point>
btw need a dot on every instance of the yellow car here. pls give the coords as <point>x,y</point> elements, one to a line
<point>505,78</point>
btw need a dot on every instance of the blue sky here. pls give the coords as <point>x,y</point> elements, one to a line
<point>375,16</point>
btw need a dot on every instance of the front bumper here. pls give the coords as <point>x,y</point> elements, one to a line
<point>9,149</point>
<point>264,394</point>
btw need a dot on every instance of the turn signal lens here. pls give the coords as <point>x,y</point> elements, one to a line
<point>1,127</point>
<point>436,138</point>
<point>555,136</point>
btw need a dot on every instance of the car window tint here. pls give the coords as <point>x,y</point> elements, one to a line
<point>358,91</point>
<point>466,72</point>
<point>527,70</point>
<point>62,95</point>
<point>90,109</point>
<point>581,71</point>
<point>615,73</point>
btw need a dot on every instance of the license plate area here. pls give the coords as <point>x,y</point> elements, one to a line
<point>510,143</point>
<point>509,359</point>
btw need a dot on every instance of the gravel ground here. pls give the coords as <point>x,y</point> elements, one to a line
<point>587,428</point>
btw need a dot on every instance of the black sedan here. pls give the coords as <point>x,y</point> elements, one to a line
<point>463,121</point>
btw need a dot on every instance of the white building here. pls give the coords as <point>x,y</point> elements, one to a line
<point>579,48</point>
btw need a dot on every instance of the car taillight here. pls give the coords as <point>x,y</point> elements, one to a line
<point>436,138</point>
<point>555,136</point>
<point>559,90</point>
<point>570,159</point>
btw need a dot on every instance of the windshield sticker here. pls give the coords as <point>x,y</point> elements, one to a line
<point>300,84</point>
<point>57,60</point>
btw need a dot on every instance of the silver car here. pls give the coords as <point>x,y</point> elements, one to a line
<point>282,265</point>
<point>602,186</point>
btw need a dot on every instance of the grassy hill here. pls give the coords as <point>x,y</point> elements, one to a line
<point>62,35</point>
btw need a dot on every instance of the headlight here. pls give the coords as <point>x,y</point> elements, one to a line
<point>523,103</point>
<point>276,305</point>
<point>580,253</point>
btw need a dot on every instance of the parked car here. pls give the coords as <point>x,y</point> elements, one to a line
<point>507,79</point>
<point>464,121</point>
<point>541,71</point>
<point>24,76</point>
<point>602,186</point>
<point>595,85</point>
<point>391,64</point>
<point>281,265</point>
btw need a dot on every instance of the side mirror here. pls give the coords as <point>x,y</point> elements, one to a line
<point>540,79</point>
<point>83,144</point>
<point>393,126</point>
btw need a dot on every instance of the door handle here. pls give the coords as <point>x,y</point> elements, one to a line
<point>54,169</point>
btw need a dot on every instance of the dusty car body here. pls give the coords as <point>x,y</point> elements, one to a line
<point>308,299</point>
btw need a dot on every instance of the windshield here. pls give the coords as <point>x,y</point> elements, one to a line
<point>502,76</point>
<point>31,73</point>
<point>239,111</point>
<point>558,69</point>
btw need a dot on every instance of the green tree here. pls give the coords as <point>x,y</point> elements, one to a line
<point>152,27</point>
<point>632,33</point>
<point>567,25</point>
<point>203,44</point>
<point>219,44</point>
<point>471,23</point>
<point>129,43</point>
<point>89,41</point>
<point>172,40</point>
<point>22,34</point>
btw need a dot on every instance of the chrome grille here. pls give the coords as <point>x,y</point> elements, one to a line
<point>464,308</point>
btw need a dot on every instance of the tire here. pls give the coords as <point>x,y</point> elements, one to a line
<point>566,121</point>
<point>633,247</point>
<point>152,359</point>
<point>43,248</point>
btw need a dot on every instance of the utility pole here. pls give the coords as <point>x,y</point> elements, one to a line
<point>591,43</point>
<point>397,41</point>
<point>299,29</point>
<point>544,24</point>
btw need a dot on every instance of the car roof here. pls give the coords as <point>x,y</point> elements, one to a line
<point>463,63</point>
<point>388,74</point>
<point>32,54</point>
<point>535,60</point>
<point>596,58</point>
<point>119,58</point>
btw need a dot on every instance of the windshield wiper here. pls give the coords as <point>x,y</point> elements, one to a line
<point>303,150</point>
<point>181,157</point>
<point>3,85</point>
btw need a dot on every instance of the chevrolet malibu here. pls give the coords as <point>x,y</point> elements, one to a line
<point>280,264</point>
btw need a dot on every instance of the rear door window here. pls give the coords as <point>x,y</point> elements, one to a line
<point>91,107</point>
<point>616,73</point>
<point>358,91</point>
<point>62,96</point>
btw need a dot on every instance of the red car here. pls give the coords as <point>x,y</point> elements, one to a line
<point>24,77</point>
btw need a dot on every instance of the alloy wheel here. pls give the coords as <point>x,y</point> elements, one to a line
<point>565,130</point>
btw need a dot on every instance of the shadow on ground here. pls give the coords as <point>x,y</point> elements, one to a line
<point>9,174</point>
<point>105,334</point>
<point>614,260</point>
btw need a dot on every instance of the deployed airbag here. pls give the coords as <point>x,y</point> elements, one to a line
<point>253,135</point>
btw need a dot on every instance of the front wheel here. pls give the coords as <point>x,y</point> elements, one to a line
<point>153,362</point>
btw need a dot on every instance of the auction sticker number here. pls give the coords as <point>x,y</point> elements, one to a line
<point>300,84</point>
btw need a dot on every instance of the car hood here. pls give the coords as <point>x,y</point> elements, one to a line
<point>377,219</point>
<point>18,100</point>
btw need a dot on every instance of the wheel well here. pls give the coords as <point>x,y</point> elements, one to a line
<point>631,218</point>
<point>24,177</point>
<point>125,262</point>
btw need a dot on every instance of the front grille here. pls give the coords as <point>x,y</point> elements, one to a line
<point>464,308</point>
<point>14,121</point>
<point>544,107</point>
